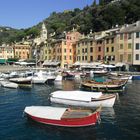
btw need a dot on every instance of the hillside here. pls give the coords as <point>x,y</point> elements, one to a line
<point>97,17</point>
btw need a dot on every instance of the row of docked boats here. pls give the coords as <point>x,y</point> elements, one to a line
<point>26,79</point>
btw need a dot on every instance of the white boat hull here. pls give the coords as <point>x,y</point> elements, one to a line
<point>8,84</point>
<point>37,80</point>
<point>104,103</point>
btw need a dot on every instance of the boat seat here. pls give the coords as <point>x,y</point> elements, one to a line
<point>74,114</point>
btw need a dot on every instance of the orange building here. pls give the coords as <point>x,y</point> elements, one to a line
<point>70,50</point>
<point>21,51</point>
<point>99,49</point>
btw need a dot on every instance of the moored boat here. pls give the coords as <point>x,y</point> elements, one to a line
<point>107,86</point>
<point>8,84</point>
<point>22,82</point>
<point>83,98</point>
<point>66,117</point>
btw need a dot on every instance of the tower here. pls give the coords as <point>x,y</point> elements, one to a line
<point>44,32</point>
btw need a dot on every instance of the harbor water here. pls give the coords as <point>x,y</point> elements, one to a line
<point>122,122</point>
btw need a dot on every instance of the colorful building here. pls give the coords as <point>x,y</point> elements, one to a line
<point>129,45</point>
<point>6,52</point>
<point>21,51</point>
<point>85,50</point>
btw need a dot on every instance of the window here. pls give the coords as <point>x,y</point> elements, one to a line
<point>70,50</point>
<point>113,58</point>
<point>99,57</point>
<point>137,34</point>
<point>107,49</point>
<point>91,58</point>
<point>78,44</point>
<point>112,40</point>
<point>91,43</point>
<point>65,57</point>
<point>129,57</point>
<point>85,57</point>
<point>121,46</point>
<point>112,49</point>
<point>70,58</point>
<point>91,49</point>
<point>137,46</point>
<point>85,50</point>
<point>82,50</point>
<point>121,57</point>
<point>78,51</point>
<point>99,49</point>
<point>109,58</point>
<point>137,56</point>
<point>129,46</point>
<point>64,50</point>
<point>129,36</point>
<point>121,36</point>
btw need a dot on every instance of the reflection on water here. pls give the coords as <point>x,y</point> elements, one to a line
<point>55,132</point>
<point>67,85</point>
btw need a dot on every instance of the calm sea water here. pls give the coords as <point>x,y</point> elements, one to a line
<point>122,122</point>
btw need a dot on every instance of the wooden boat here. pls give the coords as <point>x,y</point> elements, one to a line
<point>83,98</point>
<point>63,116</point>
<point>107,86</point>
<point>22,82</point>
<point>8,84</point>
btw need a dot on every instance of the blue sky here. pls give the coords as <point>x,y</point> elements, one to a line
<point>26,13</point>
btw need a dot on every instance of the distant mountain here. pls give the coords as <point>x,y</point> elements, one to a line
<point>96,17</point>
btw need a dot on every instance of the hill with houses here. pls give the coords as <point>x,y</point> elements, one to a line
<point>96,17</point>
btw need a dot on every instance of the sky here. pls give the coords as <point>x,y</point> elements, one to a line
<point>27,13</point>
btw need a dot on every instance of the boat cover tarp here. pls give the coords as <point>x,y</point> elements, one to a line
<point>45,112</point>
<point>76,95</point>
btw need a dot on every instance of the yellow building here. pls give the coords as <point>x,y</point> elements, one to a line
<point>129,45</point>
<point>110,54</point>
<point>21,51</point>
<point>85,50</point>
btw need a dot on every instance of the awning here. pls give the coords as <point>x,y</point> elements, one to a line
<point>50,63</point>
<point>2,61</point>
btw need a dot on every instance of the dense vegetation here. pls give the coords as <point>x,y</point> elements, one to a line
<point>104,15</point>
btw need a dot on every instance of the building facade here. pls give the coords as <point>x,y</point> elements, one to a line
<point>21,51</point>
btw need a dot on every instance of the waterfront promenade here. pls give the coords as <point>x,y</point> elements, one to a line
<point>9,68</point>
